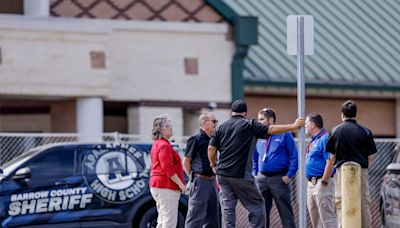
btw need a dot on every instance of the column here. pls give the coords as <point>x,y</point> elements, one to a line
<point>37,8</point>
<point>89,118</point>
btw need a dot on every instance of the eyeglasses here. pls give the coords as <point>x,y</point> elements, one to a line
<point>214,121</point>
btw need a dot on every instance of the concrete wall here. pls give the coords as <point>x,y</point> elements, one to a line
<point>140,120</point>
<point>50,63</point>
<point>143,60</point>
<point>64,59</point>
<point>150,65</point>
<point>222,114</point>
<point>191,124</point>
<point>191,121</point>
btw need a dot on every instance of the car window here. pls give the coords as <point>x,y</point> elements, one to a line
<point>397,157</point>
<point>56,163</point>
<point>10,166</point>
<point>23,156</point>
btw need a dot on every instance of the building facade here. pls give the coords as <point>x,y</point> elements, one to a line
<point>94,66</point>
<point>84,66</point>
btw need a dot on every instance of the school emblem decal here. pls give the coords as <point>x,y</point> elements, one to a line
<point>116,173</point>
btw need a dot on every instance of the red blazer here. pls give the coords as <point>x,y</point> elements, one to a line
<point>165,162</point>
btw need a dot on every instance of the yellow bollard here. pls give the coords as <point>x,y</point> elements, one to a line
<point>351,195</point>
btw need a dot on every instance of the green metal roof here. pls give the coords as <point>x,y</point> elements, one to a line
<point>356,43</point>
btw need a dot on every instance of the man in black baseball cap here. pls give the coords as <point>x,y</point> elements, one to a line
<point>239,106</point>
<point>235,140</point>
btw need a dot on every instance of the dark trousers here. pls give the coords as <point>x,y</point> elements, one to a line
<point>273,188</point>
<point>245,190</point>
<point>203,204</point>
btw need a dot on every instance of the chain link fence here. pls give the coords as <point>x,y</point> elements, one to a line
<point>385,154</point>
<point>12,145</point>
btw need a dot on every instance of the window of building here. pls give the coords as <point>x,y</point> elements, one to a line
<point>115,117</point>
<point>191,66</point>
<point>12,6</point>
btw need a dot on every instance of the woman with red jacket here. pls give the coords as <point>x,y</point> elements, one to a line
<point>166,176</point>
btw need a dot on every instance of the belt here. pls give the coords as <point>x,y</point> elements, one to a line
<point>314,180</point>
<point>203,176</point>
<point>271,174</point>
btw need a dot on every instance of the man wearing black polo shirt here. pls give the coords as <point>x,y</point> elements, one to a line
<point>235,140</point>
<point>350,141</point>
<point>203,201</point>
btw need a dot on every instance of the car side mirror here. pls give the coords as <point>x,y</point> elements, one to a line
<point>22,173</point>
<point>393,168</point>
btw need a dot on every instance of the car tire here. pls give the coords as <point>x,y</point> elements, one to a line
<point>149,219</point>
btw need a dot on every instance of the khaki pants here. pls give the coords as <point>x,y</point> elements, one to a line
<point>321,205</point>
<point>365,199</point>
<point>167,202</point>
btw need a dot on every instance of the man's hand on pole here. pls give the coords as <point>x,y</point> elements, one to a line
<point>299,122</point>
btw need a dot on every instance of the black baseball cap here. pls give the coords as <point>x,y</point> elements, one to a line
<point>239,106</point>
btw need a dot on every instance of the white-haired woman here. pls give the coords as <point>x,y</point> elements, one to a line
<point>166,176</point>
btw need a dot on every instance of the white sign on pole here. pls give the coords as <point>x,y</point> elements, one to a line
<point>291,34</point>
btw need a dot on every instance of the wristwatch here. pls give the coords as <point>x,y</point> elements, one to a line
<point>324,182</point>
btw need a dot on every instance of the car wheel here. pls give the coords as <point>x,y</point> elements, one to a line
<point>149,219</point>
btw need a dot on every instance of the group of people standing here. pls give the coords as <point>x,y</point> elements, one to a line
<point>254,164</point>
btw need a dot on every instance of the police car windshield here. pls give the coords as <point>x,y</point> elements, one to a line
<point>9,166</point>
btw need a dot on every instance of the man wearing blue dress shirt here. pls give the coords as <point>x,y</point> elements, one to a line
<point>319,172</point>
<point>274,163</point>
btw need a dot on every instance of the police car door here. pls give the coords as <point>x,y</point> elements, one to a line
<point>50,193</point>
<point>116,174</point>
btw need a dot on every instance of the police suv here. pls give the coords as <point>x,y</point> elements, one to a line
<point>80,185</point>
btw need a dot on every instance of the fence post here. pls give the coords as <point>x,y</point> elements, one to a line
<point>351,195</point>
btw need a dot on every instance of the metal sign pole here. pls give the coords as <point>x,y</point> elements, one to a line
<point>301,113</point>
